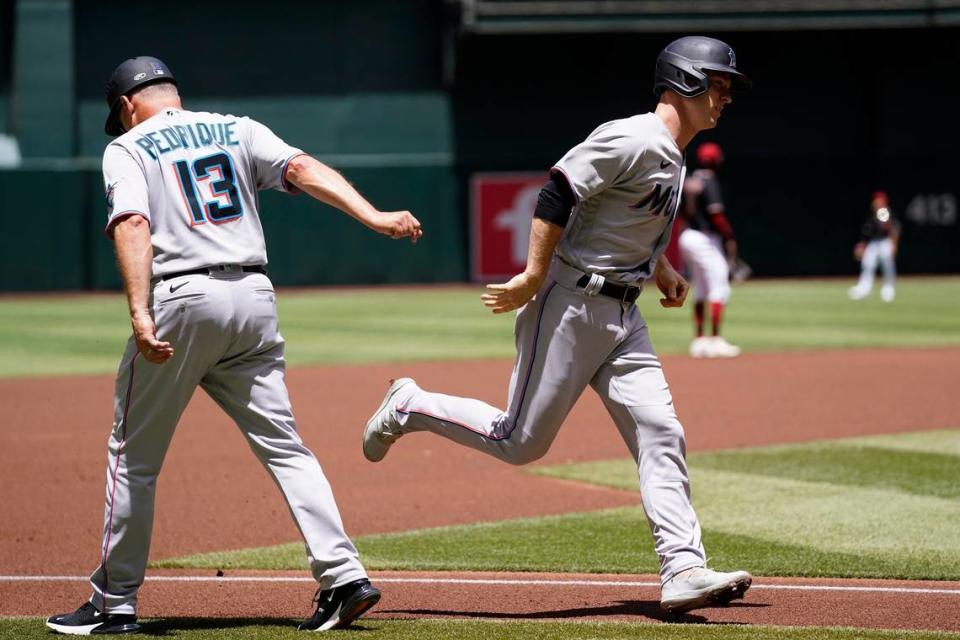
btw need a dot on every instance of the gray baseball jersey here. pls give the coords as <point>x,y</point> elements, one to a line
<point>627,177</point>
<point>194,176</point>
<point>203,171</point>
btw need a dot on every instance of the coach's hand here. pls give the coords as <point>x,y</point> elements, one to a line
<point>671,284</point>
<point>511,295</point>
<point>398,224</point>
<point>145,333</point>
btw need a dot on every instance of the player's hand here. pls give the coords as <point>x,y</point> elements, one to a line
<point>398,224</point>
<point>145,333</point>
<point>858,250</point>
<point>671,284</point>
<point>511,295</point>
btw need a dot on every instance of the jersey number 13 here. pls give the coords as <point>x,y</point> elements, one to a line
<point>216,173</point>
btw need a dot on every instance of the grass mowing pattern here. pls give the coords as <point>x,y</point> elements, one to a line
<point>894,507</point>
<point>279,628</point>
<point>583,542</point>
<point>609,541</point>
<point>774,515</point>
<point>86,334</point>
<point>910,472</point>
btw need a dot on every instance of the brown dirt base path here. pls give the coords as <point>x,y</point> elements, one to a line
<point>213,495</point>
<point>875,604</point>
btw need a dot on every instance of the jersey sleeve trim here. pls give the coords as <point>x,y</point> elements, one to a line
<point>555,201</point>
<point>558,169</point>
<point>123,215</point>
<point>287,185</point>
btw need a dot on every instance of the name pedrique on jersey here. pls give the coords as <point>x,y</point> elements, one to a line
<point>188,136</point>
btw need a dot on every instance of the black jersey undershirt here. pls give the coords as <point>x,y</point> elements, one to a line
<point>555,201</point>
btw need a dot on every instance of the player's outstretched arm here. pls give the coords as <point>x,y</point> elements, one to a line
<point>515,293</point>
<point>328,186</point>
<point>671,284</point>
<point>131,239</point>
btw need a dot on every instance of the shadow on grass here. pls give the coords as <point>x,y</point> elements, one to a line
<point>649,609</point>
<point>172,626</point>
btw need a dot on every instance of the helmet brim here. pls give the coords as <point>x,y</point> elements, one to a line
<point>738,81</point>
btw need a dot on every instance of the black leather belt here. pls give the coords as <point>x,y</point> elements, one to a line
<point>256,268</point>
<point>621,292</point>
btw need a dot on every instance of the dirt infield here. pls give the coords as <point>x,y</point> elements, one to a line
<point>876,604</point>
<point>213,494</point>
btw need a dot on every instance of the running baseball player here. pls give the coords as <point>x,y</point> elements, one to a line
<point>708,246</point>
<point>599,230</point>
<point>184,218</point>
<point>879,240</point>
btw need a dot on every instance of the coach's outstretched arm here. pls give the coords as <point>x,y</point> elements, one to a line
<point>326,185</point>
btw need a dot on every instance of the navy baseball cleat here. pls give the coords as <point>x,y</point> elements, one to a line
<point>337,608</point>
<point>87,621</point>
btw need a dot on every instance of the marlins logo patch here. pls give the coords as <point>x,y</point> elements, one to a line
<point>733,58</point>
<point>110,191</point>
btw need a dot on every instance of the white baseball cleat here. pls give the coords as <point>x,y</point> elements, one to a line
<point>856,293</point>
<point>701,587</point>
<point>720,348</point>
<point>887,293</point>
<point>700,347</point>
<point>382,429</point>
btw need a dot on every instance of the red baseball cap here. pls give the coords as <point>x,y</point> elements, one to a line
<point>709,154</point>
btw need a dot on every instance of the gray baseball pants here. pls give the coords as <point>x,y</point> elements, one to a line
<point>566,340</point>
<point>224,330</point>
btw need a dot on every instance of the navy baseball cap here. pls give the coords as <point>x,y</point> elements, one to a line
<point>132,74</point>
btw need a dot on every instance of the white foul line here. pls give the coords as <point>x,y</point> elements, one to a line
<point>495,581</point>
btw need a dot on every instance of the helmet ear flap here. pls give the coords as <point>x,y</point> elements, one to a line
<point>696,84</point>
<point>681,75</point>
<point>683,82</point>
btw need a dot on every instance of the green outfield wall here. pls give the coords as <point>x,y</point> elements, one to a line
<point>51,234</point>
<point>408,106</point>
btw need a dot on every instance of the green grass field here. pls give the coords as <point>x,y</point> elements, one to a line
<point>885,507</point>
<point>86,334</point>
<point>879,507</point>
<point>260,629</point>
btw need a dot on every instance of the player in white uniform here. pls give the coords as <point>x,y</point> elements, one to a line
<point>879,239</point>
<point>183,214</point>
<point>708,246</point>
<point>578,325</point>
